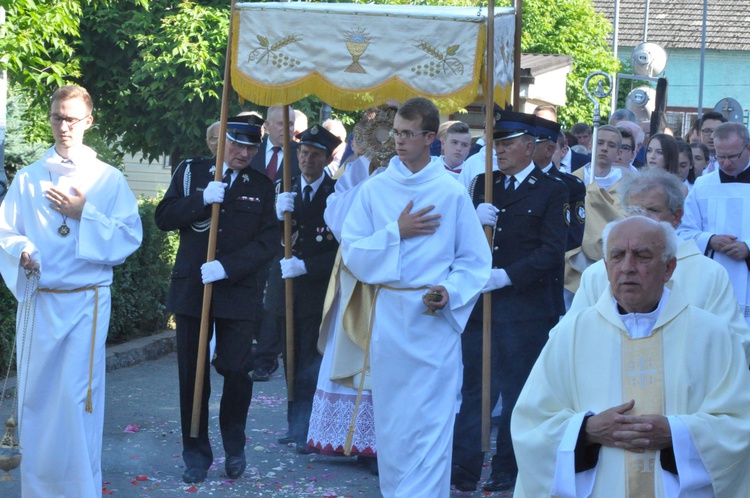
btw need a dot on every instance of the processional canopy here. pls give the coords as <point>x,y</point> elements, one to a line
<point>355,56</point>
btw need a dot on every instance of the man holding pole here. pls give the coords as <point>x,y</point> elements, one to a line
<point>248,235</point>
<point>313,254</point>
<point>528,216</point>
<point>424,242</point>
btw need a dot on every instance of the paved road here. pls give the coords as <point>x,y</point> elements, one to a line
<point>147,462</point>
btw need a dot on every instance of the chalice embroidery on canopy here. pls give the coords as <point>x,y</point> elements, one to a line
<point>357,42</point>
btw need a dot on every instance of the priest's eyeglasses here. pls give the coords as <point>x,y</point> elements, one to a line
<point>731,158</point>
<point>57,120</point>
<point>406,133</point>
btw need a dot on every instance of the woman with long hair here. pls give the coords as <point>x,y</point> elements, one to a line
<point>661,152</point>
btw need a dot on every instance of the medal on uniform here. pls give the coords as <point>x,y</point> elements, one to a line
<point>320,231</point>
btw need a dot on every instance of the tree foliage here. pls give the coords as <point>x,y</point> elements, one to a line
<point>155,67</point>
<point>574,28</point>
<point>157,74</point>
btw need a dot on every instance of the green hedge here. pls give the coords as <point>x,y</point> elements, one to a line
<point>139,291</point>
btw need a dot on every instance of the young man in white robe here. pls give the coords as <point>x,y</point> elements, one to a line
<point>456,145</point>
<point>70,217</point>
<point>658,194</point>
<point>412,230</point>
<point>602,203</point>
<point>641,395</point>
<point>717,209</point>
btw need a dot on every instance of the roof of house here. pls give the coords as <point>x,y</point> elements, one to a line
<point>679,23</point>
<point>536,64</point>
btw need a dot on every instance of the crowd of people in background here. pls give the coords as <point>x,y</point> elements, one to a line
<point>618,286</point>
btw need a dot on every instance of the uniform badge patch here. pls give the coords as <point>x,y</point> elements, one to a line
<point>566,213</point>
<point>581,211</point>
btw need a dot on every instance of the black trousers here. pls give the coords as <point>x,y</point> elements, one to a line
<point>268,339</point>
<point>515,348</point>
<point>233,361</point>
<point>306,367</point>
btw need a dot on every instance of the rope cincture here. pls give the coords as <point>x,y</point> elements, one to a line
<point>366,366</point>
<point>95,288</point>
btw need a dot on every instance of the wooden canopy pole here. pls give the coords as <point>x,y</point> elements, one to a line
<point>200,369</point>
<point>289,284</point>
<point>489,124</point>
<point>517,57</point>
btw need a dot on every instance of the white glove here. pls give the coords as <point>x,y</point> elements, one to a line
<point>214,193</point>
<point>212,271</point>
<point>284,202</point>
<point>293,267</point>
<point>498,279</point>
<point>487,214</point>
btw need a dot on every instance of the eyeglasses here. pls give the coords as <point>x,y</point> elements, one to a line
<point>57,120</point>
<point>707,131</point>
<point>733,157</point>
<point>406,133</point>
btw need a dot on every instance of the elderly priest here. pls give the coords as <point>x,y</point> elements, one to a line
<point>641,395</point>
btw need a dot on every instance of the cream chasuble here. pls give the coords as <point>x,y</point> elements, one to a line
<point>602,206</point>
<point>704,283</point>
<point>705,398</point>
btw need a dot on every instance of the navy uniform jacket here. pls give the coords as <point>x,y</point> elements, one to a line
<point>529,243</point>
<point>578,160</point>
<point>258,162</point>
<point>248,234</point>
<point>577,203</point>
<point>313,243</point>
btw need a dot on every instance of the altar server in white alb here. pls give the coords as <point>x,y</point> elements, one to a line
<point>717,209</point>
<point>413,230</point>
<point>71,217</point>
<point>642,395</point>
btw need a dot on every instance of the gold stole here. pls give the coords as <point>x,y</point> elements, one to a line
<point>642,377</point>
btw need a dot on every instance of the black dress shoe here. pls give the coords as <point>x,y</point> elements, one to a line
<point>287,438</point>
<point>462,479</point>
<point>274,366</point>
<point>303,449</point>
<point>500,481</point>
<point>261,375</point>
<point>194,475</point>
<point>235,466</point>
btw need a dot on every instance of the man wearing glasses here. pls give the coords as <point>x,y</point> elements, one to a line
<point>412,231</point>
<point>248,235</point>
<point>71,218</point>
<point>717,210</point>
<point>709,122</point>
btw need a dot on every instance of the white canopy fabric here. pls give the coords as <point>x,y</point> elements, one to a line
<point>355,56</point>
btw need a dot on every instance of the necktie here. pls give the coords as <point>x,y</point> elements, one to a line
<point>511,183</point>
<point>307,196</point>
<point>228,177</point>
<point>273,164</point>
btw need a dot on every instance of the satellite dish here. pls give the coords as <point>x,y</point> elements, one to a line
<point>642,101</point>
<point>648,59</point>
<point>730,109</point>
